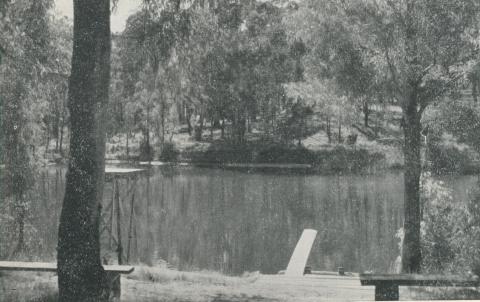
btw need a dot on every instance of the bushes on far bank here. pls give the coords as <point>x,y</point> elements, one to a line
<point>450,158</point>
<point>169,152</point>
<point>347,159</point>
<point>337,159</point>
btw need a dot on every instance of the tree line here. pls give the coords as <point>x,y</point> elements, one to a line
<point>228,63</point>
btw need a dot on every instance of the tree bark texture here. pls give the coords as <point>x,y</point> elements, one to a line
<point>80,274</point>
<point>411,250</point>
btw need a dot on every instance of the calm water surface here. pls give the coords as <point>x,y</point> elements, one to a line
<point>234,221</point>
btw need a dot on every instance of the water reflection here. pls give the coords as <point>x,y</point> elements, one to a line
<point>231,221</point>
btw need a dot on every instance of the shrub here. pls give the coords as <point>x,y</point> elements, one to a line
<point>146,151</point>
<point>442,228</point>
<point>169,152</point>
<point>284,154</point>
<point>450,230</point>
<point>345,159</point>
<point>448,159</point>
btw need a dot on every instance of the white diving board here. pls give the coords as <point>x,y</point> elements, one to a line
<point>299,258</point>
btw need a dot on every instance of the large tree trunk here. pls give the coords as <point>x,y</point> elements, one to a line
<point>80,273</point>
<point>411,252</point>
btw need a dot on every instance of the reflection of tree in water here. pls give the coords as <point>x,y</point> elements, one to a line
<point>197,218</point>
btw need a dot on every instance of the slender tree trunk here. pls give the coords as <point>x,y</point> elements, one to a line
<point>198,127</point>
<point>201,124</point>
<point>80,274</point>
<point>127,147</point>
<point>366,113</point>
<point>57,139</point>
<point>20,212</point>
<point>329,130</point>
<point>475,89</point>
<point>62,126</point>
<point>61,138</point>
<point>212,123</point>
<point>56,127</point>
<point>223,128</point>
<point>339,132</point>
<point>163,122</point>
<point>47,144</point>
<point>189,123</point>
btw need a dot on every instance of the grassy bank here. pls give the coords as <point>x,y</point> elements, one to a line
<point>444,155</point>
<point>147,284</point>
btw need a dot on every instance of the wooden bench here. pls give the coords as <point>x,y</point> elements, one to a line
<point>386,285</point>
<point>113,271</point>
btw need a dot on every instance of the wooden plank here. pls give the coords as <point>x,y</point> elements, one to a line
<point>120,269</point>
<point>326,273</point>
<point>418,279</point>
<point>28,266</point>
<point>52,267</point>
<point>299,258</point>
<point>267,165</point>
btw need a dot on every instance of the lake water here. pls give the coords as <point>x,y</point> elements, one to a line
<point>234,221</point>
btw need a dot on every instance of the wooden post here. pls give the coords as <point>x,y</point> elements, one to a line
<point>113,278</point>
<point>386,292</point>
<point>119,224</point>
<point>112,213</point>
<point>130,227</point>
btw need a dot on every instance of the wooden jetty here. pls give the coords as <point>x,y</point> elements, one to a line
<point>316,287</point>
<point>113,211</point>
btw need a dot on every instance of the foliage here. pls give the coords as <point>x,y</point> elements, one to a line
<point>448,158</point>
<point>293,123</point>
<point>149,70</point>
<point>169,152</point>
<point>225,62</point>
<point>9,231</point>
<point>450,230</point>
<point>146,151</point>
<point>24,41</point>
<point>459,117</point>
<point>443,228</point>
<point>408,43</point>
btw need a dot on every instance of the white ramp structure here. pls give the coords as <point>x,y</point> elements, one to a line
<point>299,258</point>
